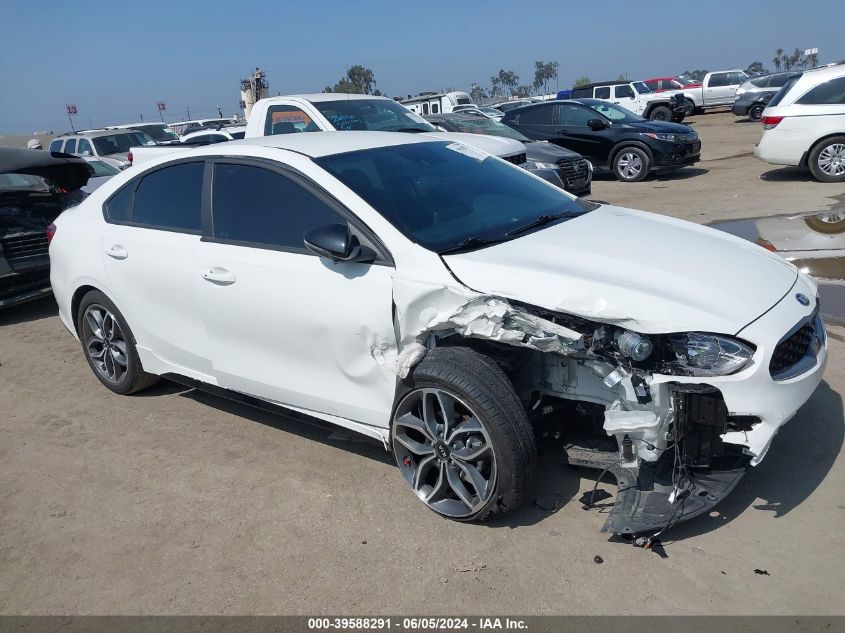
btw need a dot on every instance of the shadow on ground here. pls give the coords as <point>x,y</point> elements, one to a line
<point>32,311</point>
<point>787,174</point>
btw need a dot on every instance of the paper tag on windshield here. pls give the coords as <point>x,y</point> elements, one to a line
<point>466,150</point>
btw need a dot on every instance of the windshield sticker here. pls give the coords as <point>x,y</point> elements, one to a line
<point>466,150</point>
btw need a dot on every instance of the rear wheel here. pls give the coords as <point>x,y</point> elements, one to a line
<point>755,112</point>
<point>631,164</point>
<point>461,437</point>
<point>109,345</point>
<point>827,160</point>
<point>661,113</point>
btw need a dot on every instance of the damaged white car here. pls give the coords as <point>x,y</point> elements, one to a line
<point>451,305</point>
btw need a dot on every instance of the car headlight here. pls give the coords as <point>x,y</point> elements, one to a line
<point>699,354</point>
<point>533,164</point>
<point>662,136</point>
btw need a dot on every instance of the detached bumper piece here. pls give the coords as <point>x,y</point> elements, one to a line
<point>694,474</point>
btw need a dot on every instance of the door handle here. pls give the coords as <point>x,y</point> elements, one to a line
<point>117,251</point>
<point>219,276</point>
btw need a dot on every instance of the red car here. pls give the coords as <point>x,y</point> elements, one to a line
<point>659,84</point>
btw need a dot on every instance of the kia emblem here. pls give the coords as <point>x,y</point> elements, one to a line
<point>802,299</point>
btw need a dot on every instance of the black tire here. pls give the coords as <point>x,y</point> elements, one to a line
<point>679,115</point>
<point>134,378</point>
<point>827,145</point>
<point>660,113</point>
<point>755,112</point>
<point>690,107</point>
<point>629,174</point>
<point>479,382</point>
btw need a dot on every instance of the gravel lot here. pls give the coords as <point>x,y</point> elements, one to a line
<point>174,501</point>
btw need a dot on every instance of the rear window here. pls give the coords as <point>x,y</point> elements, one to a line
<point>760,82</point>
<point>784,91</point>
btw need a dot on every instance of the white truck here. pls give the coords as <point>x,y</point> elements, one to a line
<point>717,90</point>
<point>637,97</point>
<point>331,112</point>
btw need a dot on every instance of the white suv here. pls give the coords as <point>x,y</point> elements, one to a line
<point>804,124</point>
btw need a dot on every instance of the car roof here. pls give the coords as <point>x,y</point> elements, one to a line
<point>317,144</point>
<point>319,97</point>
<point>603,83</point>
<point>97,133</point>
<point>126,126</point>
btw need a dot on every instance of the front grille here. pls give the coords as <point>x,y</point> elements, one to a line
<point>23,245</point>
<point>571,169</point>
<point>516,159</point>
<point>792,349</point>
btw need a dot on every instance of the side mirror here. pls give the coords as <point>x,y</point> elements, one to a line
<point>335,242</point>
<point>596,124</point>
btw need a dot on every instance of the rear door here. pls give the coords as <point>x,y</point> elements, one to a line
<point>286,325</point>
<point>149,250</point>
<point>536,122</point>
<point>575,134</point>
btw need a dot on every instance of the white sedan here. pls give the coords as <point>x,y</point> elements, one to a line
<point>449,304</point>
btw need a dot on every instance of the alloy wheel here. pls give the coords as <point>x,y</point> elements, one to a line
<point>104,343</point>
<point>630,165</point>
<point>444,452</point>
<point>832,159</point>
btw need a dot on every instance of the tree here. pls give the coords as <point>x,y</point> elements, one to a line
<point>544,72</point>
<point>523,91</point>
<point>477,93</point>
<point>581,81</point>
<point>777,60</point>
<point>756,68</point>
<point>505,82</point>
<point>695,75</point>
<point>359,80</point>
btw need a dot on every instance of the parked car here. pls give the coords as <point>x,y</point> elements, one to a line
<point>717,89</point>
<point>609,136</point>
<point>186,127</point>
<point>804,124</point>
<point>110,146</point>
<point>488,111</point>
<point>449,305</point>
<point>34,189</point>
<point>232,133</point>
<point>345,112</point>
<point>205,136</point>
<point>753,94</point>
<point>159,132</point>
<point>662,84</point>
<point>100,173</point>
<point>504,106</point>
<point>636,97</point>
<point>562,167</point>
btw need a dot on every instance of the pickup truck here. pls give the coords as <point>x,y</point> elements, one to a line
<point>327,112</point>
<point>717,89</point>
<point>636,97</point>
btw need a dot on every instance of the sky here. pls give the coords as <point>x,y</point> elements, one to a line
<point>115,59</point>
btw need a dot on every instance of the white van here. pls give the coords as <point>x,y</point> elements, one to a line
<point>437,103</point>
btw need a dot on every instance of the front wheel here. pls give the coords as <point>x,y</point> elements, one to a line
<point>631,164</point>
<point>827,160</point>
<point>461,438</point>
<point>661,113</point>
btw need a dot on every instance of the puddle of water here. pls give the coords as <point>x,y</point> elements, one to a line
<point>813,242</point>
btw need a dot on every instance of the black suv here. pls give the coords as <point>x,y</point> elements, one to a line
<point>609,136</point>
<point>35,187</point>
<point>754,94</point>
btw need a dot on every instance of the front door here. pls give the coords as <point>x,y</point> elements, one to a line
<point>286,325</point>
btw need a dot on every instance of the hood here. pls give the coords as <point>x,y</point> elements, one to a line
<point>545,152</point>
<point>657,126</point>
<point>66,171</point>
<point>647,272</point>
<point>496,145</point>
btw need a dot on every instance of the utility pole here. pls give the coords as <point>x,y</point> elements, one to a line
<point>142,118</point>
<point>189,112</point>
<point>220,112</point>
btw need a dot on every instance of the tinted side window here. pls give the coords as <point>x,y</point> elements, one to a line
<point>736,78</point>
<point>70,146</point>
<point>602,92</point>
<point>84,146</point>
<point>56,146</point>
<point>435,108</point>
<point>760,82</point>
<point>830,92</point>
<point>717,80</point>
<point>119,206</point>
<point>171,198</point>
<point>777,81</point>
<point>620,92</point>
<point>541,115</point>
<point>256,205</point>
<point>575,116</point>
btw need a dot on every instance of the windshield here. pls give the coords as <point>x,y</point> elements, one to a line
<point>614,112</point>
<point>442,195</point>
<point>483,125</point>
<point>159,133</point>
<point>22,182</point>
<point>641,87</point>
<point>686,80</point>
<point>103,169</point>
<point>383,115</point>
<point>120,143</point>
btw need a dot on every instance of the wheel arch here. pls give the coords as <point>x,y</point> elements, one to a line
<point>76,301</point>
<point>651,106</point>
<point>806,155</point>
<point>630,143</point>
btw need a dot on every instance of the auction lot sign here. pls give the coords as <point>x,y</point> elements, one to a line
<point>535,624</point>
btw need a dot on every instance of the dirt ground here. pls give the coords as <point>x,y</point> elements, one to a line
<point>177,502</point>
